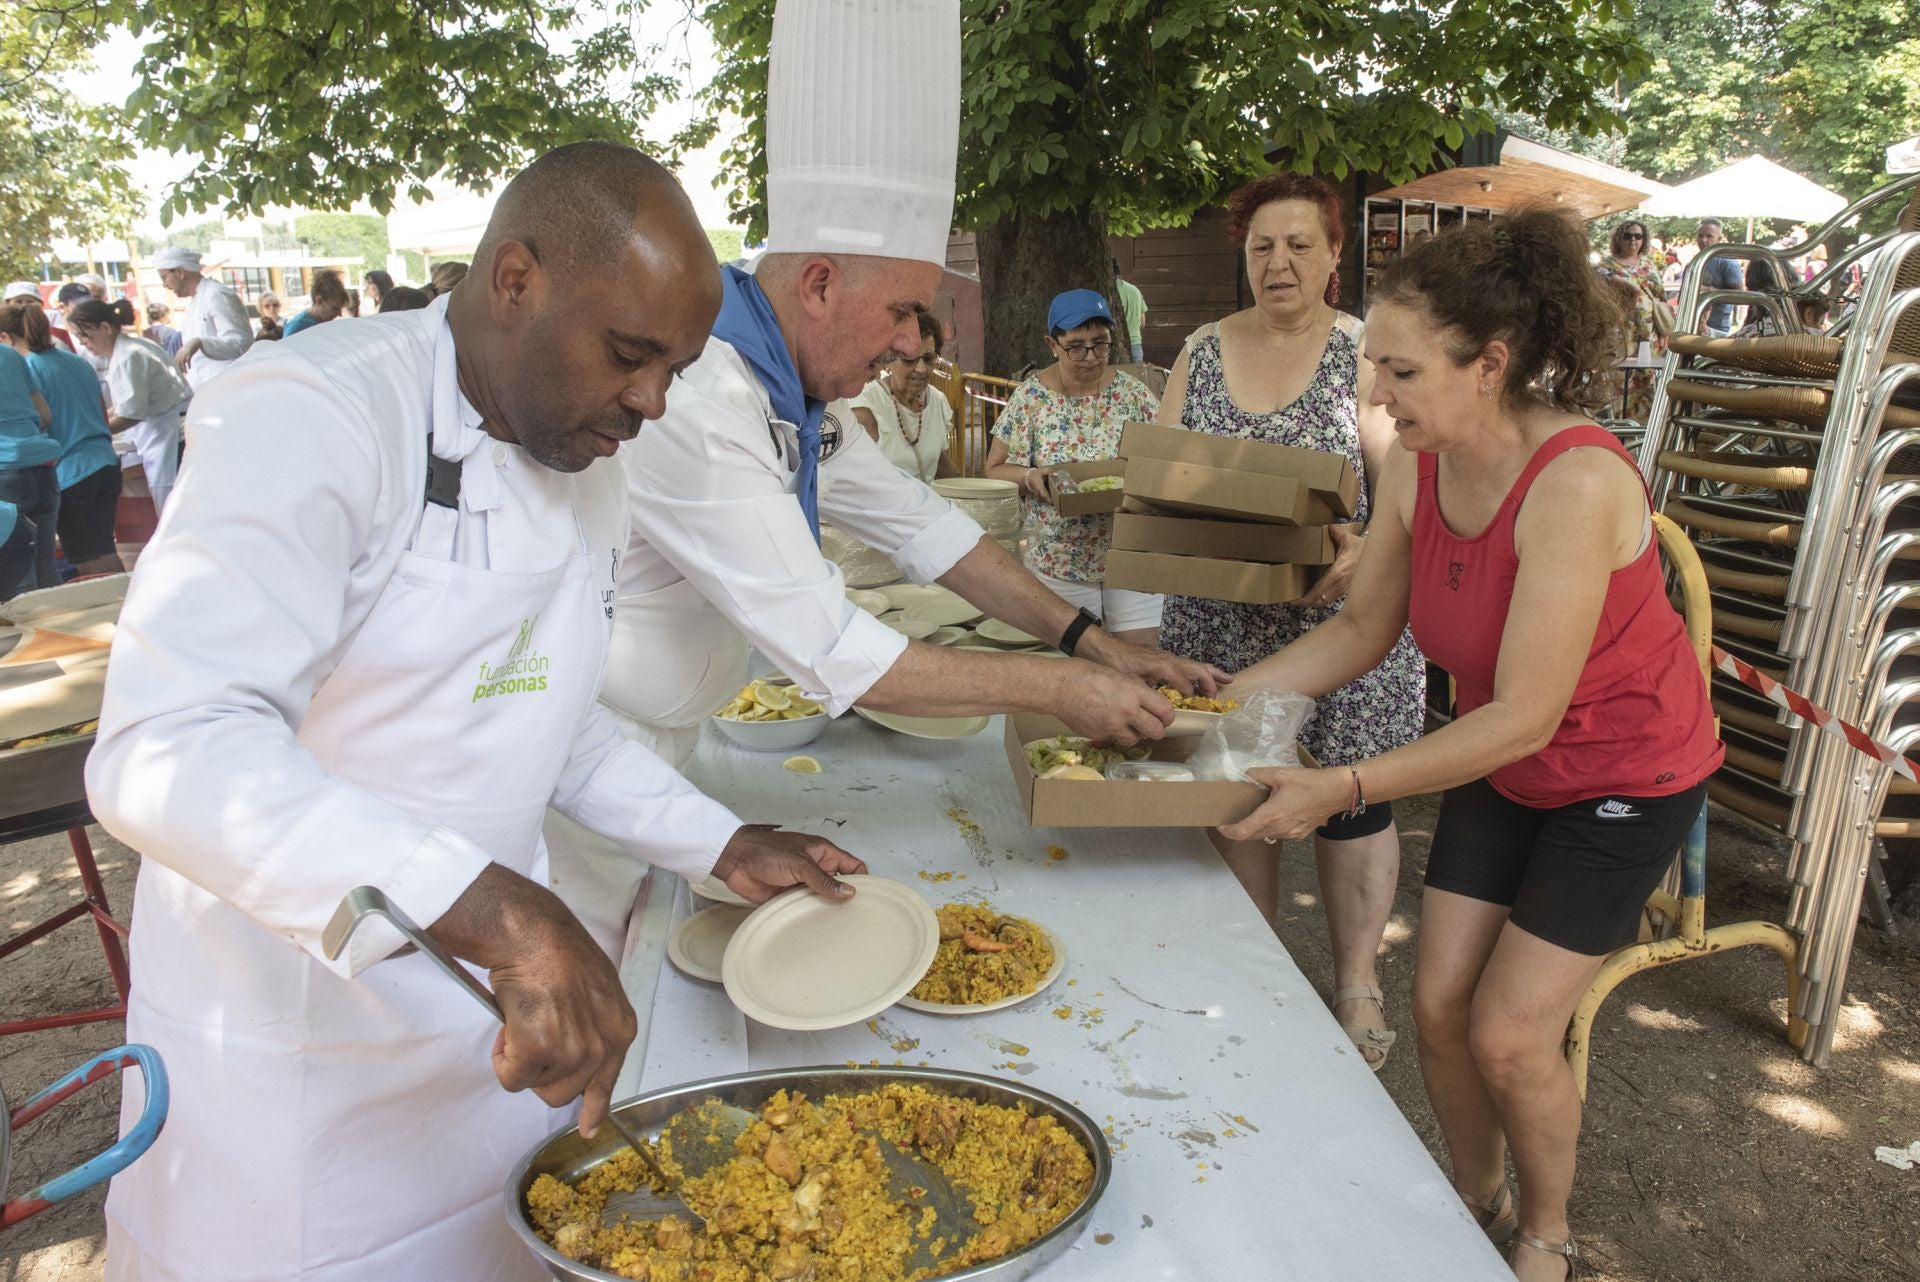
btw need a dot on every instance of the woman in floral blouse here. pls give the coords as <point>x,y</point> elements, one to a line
<point>1629,262</point>
<point>1070,412</point>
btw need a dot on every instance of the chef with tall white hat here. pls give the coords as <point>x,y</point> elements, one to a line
<point>216,331</point>
<point>863,119</point>
<point>364,649</point>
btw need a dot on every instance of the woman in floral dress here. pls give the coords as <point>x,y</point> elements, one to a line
<point>1070,412</point>
<point>1288,371</point>
<point>1629,262</point>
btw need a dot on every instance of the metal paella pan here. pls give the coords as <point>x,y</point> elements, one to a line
<point>566,1156</point>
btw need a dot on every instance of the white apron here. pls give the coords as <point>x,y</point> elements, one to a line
<point>336,1130</point>
<point>674,659</point>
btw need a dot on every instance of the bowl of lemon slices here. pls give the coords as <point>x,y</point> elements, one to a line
<point>771,716</point>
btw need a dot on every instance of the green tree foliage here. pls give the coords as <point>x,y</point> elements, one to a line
<point>1144,110</point>
<point>60,161</point>
<point>359,236</point>
<point>1821,86</point>
<point>321,103</point>
<point>1084,117</point>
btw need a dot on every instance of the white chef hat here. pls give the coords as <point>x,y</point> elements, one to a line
<point>863,127</point>
<point>18,288</point>
<point>174,256</point>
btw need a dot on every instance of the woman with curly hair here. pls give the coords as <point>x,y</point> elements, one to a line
<point>1515,536</point>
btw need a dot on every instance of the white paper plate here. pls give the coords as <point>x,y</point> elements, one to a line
<point>870,601</point>
<point>713,890</point>
<point>1004,634</point>
<point>1046,982</point>
<point>807,963</point>
<point>973,487</point>
<point>926,727</point>
<point>949,636</point>
<point>698,944</point>
<point>904,595</point>
<point>950,611</point>
<point>908,626</point>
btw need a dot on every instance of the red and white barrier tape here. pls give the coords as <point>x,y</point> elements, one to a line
<point>1798,704</point>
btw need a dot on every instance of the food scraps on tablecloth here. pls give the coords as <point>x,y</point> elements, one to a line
<point>761,700</point>
<point>984,957</point>
<point>802,765</point>
<point>807,1194</point>
<point>1197,702</point>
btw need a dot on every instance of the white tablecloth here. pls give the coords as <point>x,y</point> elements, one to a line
<point>1250,1141</point>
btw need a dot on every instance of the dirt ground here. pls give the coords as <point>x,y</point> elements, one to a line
<point>1711,1151</point>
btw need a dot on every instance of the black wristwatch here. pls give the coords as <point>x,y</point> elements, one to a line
<point>1077,629</point>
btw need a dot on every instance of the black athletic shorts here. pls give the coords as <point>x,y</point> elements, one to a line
<point>1376,817</point>
<point>87,509</point>
<point>1576,876</point>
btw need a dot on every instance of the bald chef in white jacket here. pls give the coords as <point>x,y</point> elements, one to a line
<point>216,331</point>
<point>342,663</point>
<point>862,130</point>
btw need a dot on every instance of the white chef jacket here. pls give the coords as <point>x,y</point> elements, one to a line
<point>250,596</point>
<point>141,381</point>
<point>217,317</point>
<point>712,485</point>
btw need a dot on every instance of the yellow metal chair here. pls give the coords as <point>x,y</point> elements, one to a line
<point>982,397</point>
<point>1691,938</point>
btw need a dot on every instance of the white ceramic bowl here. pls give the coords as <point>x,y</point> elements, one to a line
<point>773,736</point>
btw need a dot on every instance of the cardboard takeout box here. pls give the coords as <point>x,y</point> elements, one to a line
<point>1078,504</point>
<point>1084,803</point>
<point>1223,540</point>
<point>1238,477</point>
<point>1248,582</point>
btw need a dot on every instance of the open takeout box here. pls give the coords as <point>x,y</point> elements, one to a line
<point>1085,803</point>
<point>1075,503</point>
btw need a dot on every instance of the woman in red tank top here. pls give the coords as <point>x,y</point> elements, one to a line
<point>1515,537</point>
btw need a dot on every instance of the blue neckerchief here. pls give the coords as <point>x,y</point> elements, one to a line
<point>748,324</point>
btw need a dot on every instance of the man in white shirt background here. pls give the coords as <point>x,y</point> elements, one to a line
<point>217,330</point>
<point>364,649</point>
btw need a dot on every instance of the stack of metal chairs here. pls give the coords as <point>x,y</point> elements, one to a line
<point>1793,462</point>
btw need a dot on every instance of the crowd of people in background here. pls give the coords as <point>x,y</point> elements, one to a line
<point>96,376</point>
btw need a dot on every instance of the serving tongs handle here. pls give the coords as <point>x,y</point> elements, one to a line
<point>363,902</point>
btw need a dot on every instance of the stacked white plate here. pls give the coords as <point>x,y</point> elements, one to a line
<point>994,504</point>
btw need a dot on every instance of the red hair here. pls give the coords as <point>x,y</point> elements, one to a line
<point>1244,203</point>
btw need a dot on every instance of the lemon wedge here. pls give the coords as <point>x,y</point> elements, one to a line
<point>802,765</point>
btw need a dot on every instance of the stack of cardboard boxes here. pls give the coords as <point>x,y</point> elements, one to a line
<point>1224,518</point>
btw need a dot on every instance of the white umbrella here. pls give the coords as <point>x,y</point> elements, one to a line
<point>1904,157</point>
<point>1751,188</point>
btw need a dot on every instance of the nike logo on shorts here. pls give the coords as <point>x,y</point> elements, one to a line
<point>1616,810</point>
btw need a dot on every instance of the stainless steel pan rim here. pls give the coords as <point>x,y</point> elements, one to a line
<point>566,1155</point>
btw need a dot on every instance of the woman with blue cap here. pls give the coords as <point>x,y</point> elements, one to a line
<point>1069,412</point>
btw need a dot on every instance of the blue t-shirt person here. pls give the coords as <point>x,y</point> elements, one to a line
<point>22,443</point>
<point>72,391</point>
<point>1722,273</point>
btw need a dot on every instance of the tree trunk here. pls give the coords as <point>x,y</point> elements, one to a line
<point>1024,262</point>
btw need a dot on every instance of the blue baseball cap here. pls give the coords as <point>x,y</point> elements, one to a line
<point>1075,308</point>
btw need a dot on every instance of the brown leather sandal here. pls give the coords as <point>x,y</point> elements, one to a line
<point>1367,1039</point>
<point>1498,1228</point>
<point>1565,1248</point>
